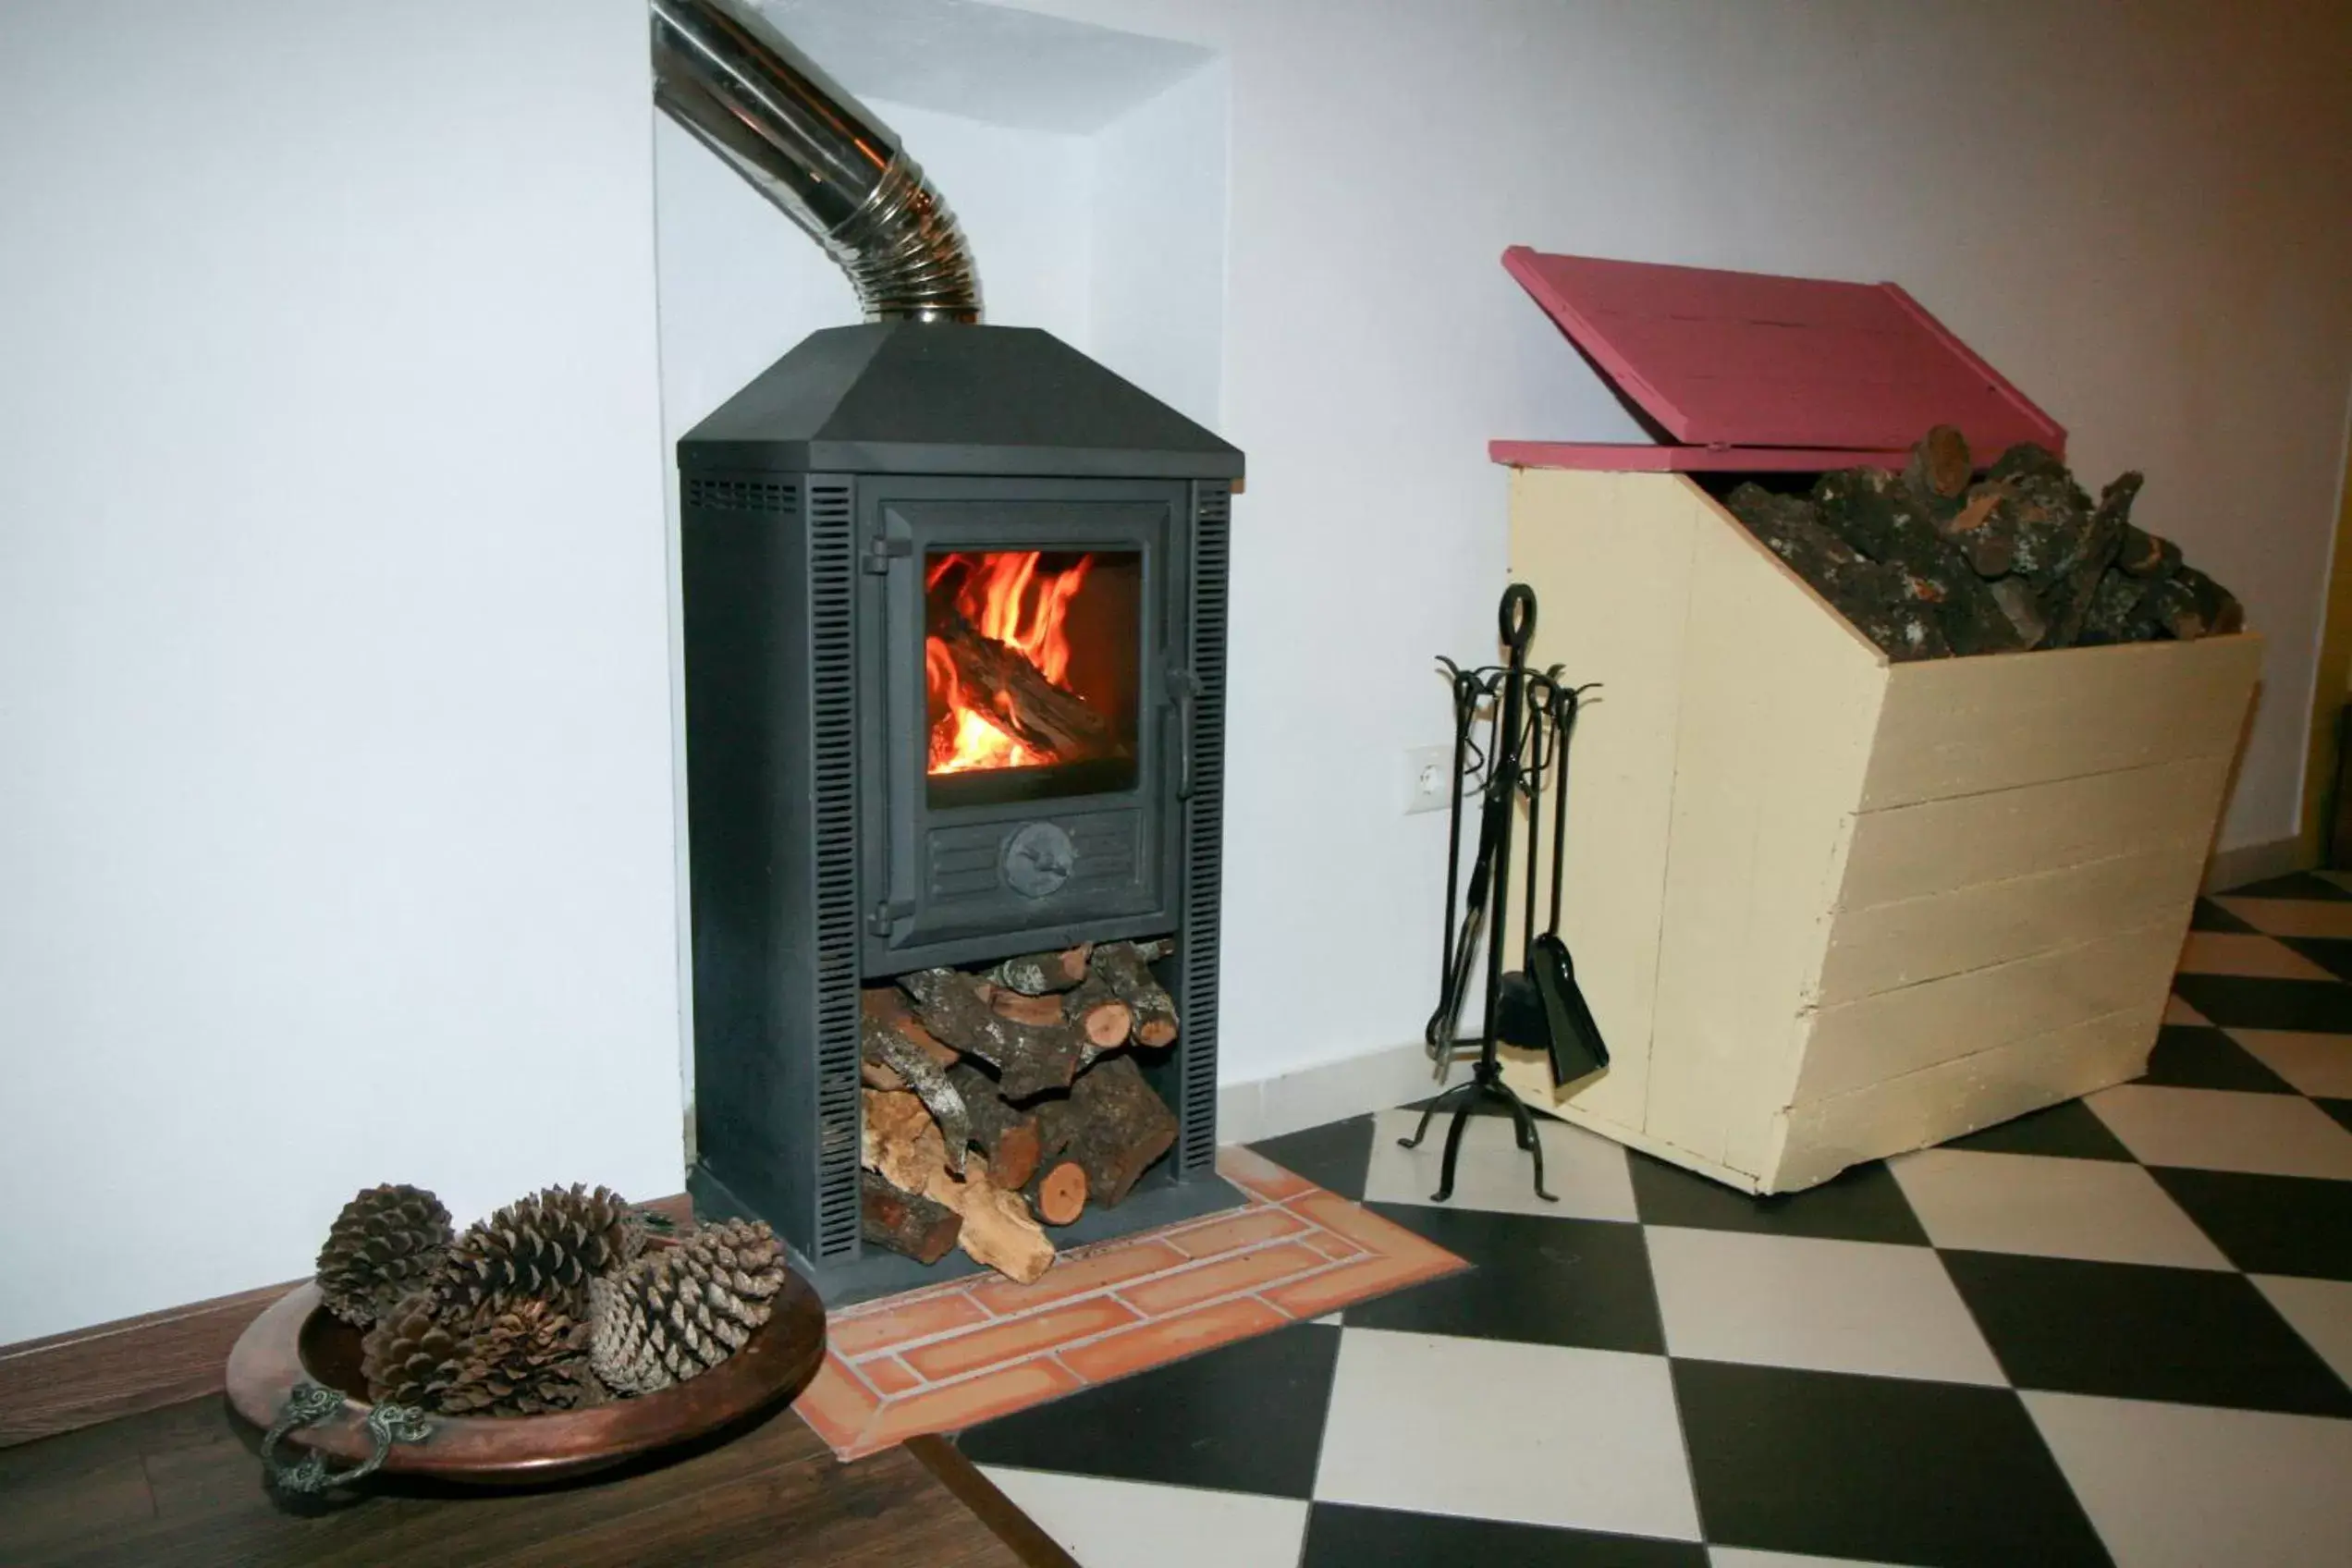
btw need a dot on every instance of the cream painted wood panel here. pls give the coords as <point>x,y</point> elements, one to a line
<point>1779,704</point>
<point>1937,846</point>
<point>1954,1097</point>
<point>1903,944</point>
<point>1958,727</point>
<point>1901,1031</point>
<point>1583,538</point>
<point>1825,907</point>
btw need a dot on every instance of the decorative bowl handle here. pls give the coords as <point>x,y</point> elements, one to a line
<point>307,1407</point>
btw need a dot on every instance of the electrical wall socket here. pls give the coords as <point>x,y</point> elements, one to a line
<point>1428,779</point>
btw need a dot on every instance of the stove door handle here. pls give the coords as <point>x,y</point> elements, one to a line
<point>1183,690</point>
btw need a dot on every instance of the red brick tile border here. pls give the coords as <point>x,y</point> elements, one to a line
<point>952,1356</point>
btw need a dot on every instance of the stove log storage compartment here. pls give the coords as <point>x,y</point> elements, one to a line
<point>1827,907</point>
<point>954,644</point>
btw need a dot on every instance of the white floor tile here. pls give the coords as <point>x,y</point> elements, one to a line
<point>2101,1210</point>
<point>1585,1170</point>
<point>2179,1011</point>
<point>1537,1434</point>
<point>2243,952</point>
<point>2293,918</point>
<point>2171,1485</point>
<point>2321,1311</point>
<point>1832,1307</point>
<point>1739,1557</point>
<point>1106,1524</point>
<point>2317,1064</point>
<point>2218,1130</point>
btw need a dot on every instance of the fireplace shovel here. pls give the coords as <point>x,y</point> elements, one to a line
<point>1543,1008</point>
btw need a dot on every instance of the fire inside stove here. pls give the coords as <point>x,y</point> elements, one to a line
<point>1030,663</point>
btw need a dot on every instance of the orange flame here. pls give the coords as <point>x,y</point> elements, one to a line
<point>1007,599</point>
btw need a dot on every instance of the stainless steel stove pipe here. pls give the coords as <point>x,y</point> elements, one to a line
<point>729,77</point>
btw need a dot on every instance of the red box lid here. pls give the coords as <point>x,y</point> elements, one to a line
<point>1748,370</point>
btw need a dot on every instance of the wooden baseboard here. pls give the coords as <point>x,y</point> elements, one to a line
<point>86,1375</point>
<point>2255,863</point>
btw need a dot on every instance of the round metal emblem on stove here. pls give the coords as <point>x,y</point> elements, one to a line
<point>1038,859</point>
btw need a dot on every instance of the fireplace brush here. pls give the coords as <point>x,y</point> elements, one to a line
<point>1531,718</point>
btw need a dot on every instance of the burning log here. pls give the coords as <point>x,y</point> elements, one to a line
<point>1112,1125</point>
<point>1029,1059</point>
<point>1038,974</point>
<point>1124,969</point>
<point>902,1143</point>
<point>907,1223</point>
<point>1019,699</point>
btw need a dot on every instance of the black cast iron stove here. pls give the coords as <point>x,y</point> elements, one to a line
<point>862,524</point>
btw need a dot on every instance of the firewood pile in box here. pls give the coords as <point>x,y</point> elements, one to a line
<point>1003,1102</point>
<point>1933,562</point>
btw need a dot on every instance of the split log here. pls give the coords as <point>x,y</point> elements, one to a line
<point>1124,968</point>
<point>2016,597</point>
<point>2146,555</point>
<point>2114,609</point>
<point>888,1004</point>
<point>1029,707</point>
<point>2045,511</point>
<point>1113,1125</point>
<point>1876,512</point>
<point>1007,1134</point>
<point>2068,602</point>
<point>1037,974</point>
<point>1059,1195</point>
<point>906,1223</point>
<point>1029,1059</point>
<point>2213,608</point>
<point>901,1142</point>
<point>885,1052</point>
<point>1873,596</point>
<point>1039,1010</point>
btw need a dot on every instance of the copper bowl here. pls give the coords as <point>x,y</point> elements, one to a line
<point>298,1341</point>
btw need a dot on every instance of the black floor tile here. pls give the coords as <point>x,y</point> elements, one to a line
<point>2294,885</point>
<point>1248,1417</point>
<point>1859,1205</point>
<point>2269,1224</point>
<point>2331,953</point>
<point>2131,1331</point>
<point>1883,1469</point>
<point>2243,1002</point>
<point>2189,1056</point>
<point>1334,1156</point>
<point>2340,1109</point>
<point>1533,1279</point>
<point>2211,916</point>
<point>1339,1536</point>
<point>2070,1130</point>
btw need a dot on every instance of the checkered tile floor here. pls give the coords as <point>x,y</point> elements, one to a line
<point>2119,1331</point>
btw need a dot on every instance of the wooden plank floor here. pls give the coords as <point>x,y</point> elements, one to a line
<point>181,1486</point>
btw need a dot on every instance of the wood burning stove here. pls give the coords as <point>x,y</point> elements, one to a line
<point>955,676</point>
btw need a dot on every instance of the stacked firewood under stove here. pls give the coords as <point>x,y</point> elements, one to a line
<point>1002,1102</point>
<point>1934,561</point>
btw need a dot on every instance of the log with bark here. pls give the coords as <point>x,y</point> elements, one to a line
<point>902,1143</point>
<point>905,1222</point>
<point>1016,694</point>
<point>1113,1124</point>
<point>1030,1059</point>
<point>1037,974</point>
<point>889,1058</point>
<point>1005,1133</point>
<point>1059,1193</point>
<point>1124,969</point>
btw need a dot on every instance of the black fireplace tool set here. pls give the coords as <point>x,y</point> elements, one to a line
<point>1530,716</point>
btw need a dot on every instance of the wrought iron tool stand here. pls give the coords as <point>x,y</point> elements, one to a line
<point>1527,732</point>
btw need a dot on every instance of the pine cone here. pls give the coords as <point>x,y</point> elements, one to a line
<point>525,1360</point>
<point>388,1243</point>
<point>545,1248</point>
<point>677,1312</point>
<point>411,1356</point>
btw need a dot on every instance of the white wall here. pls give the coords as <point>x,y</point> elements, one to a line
<point>334,726</point>
<point>2140,213</point>
<point>335,807</point>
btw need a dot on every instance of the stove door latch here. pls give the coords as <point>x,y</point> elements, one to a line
<point>886,913</point>
<point>881,550</point>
